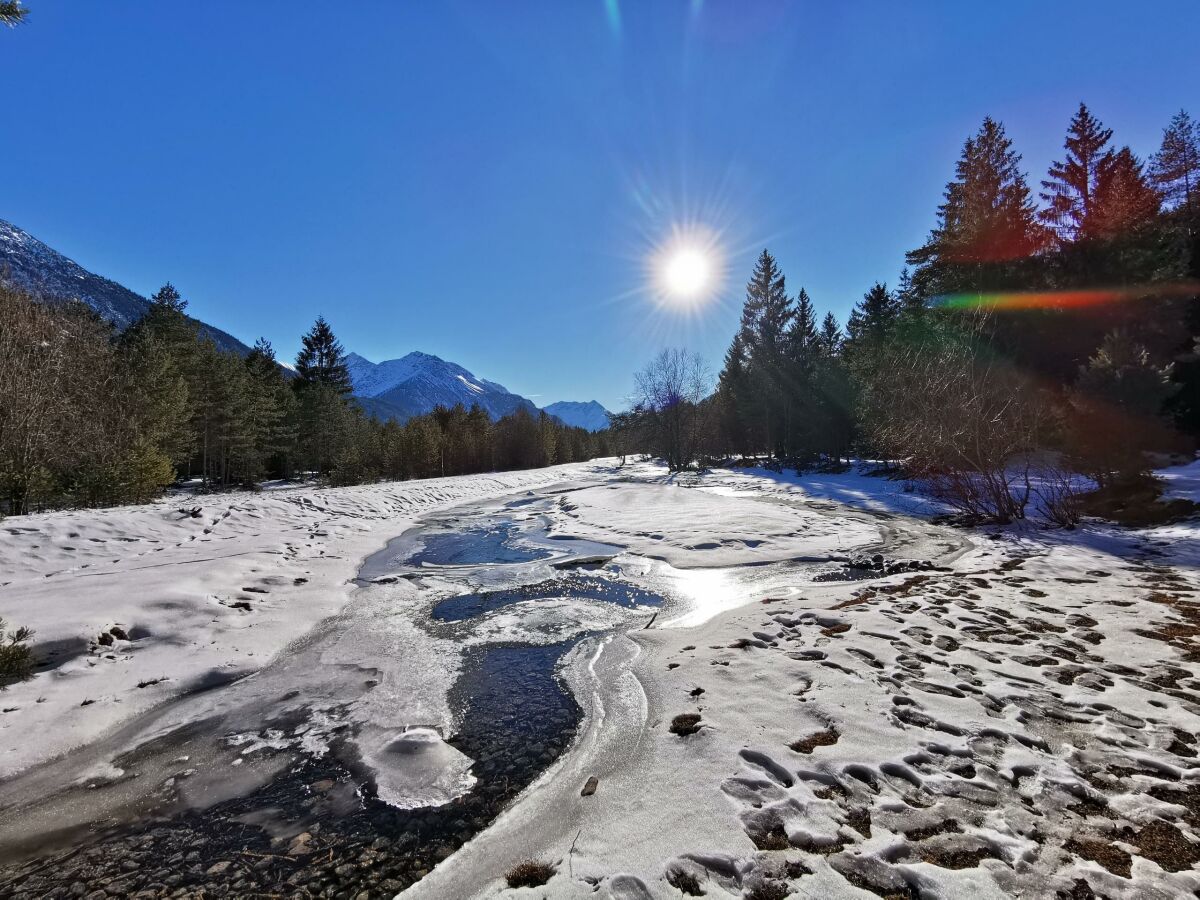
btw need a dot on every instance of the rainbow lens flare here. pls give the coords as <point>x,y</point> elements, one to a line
<point>1076,299</point>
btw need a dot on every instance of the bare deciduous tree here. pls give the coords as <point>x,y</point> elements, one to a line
<point>668,395</point>
<point>961,418</point>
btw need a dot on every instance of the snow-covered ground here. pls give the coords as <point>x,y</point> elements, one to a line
<point>208,588</point>
<point>1019,720</point>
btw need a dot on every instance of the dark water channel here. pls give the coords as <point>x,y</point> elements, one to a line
<point>316,829</point>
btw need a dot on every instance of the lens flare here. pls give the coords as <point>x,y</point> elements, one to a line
<point>1080,299</point>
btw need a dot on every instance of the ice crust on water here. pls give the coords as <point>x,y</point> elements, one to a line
<point>1038,694</point>
<point>417,768</point>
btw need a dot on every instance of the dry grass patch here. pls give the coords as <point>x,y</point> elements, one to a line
<point>530,873</point>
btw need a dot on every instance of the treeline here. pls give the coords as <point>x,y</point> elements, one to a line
<point>1028,341</point>
<point>92,417</point>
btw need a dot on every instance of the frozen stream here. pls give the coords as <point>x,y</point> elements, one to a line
<point>475,653</point>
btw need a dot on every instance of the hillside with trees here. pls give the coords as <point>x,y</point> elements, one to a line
<point>90,416</point>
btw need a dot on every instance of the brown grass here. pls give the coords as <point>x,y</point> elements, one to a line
<point>530,873</point>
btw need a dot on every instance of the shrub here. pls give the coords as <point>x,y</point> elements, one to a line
<point>530,873</point>
<point>685,724</point>
<point>16,657</point>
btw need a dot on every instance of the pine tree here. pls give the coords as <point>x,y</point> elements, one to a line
<point>766,316</point>
<point>168,298</point>
<point>12,13</point>
<point>830,338</point>
<point>733,388</point>
<point>801,355</point>
<point>322,360</point>
<point>766,312</point>
<point>987,220</point>
<point>1124,199</point>
<point>274,410</point>
<point>1070,188</point>
<point>802,332</point>
<point>872,316</point>
<point>1116,404</point>
<point>1175,168</point>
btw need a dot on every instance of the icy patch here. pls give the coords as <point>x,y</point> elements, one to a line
<point>419,769</point>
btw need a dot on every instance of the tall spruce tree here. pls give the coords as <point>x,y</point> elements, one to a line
<point>766,315</point>
<point>322,360</point>
<point>1071,185</point>
<point>987,220</point>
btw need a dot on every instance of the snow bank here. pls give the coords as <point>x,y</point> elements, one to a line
<point>138,605</point>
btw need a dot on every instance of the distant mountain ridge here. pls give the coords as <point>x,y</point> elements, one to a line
<point>590,415</point>
<point>393,389</point>
<point>417,383</point>
<point>29,264</point>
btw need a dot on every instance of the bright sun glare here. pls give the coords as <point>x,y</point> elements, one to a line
<point>686,273</point>
<point>687,268</point>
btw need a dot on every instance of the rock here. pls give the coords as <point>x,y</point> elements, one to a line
<point>218,868</point>
<point>590,787</point>
<point>300,844</point>
<point>119,633</point>
<point>323,785</point>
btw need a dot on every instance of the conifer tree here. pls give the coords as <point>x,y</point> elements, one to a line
<point>830,337</point>
<point>872,316</point>
<point>1175,168</point>
<point>322,360</point>
<point>987,220</point>
<point>766,316</point>
<point>1125,199</point>
<point>1071,185</point>
<point>1117,403</point>
<point>12,13</point>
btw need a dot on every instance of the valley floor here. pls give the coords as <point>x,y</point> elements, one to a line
<point>229,712</point>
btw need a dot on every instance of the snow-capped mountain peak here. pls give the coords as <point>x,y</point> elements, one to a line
<point>414,384</point>
<point>590,415</point>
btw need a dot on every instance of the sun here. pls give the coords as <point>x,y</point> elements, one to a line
<point>687,272</point>
<point>686,269</point>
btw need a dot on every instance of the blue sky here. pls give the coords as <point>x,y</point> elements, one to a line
<point>484,181</point>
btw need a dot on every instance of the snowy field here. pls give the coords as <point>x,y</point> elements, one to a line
<point>1010,713</point>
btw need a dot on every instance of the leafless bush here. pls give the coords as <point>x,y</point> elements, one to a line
<point>960,417</point>
<point>669,392</point>
<point>1057,497</point>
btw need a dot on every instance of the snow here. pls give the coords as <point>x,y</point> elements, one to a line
<point>171,582</point>
<point>938,688</point>
<point>1182,481</point>
<point>700,529</point>
<point>590,415</point>
<point>418,382</point>
<point>974,729</point>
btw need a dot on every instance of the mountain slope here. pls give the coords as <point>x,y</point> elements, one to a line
<point>414,384</point>
<point>29,264</point>
<point>590,415</point>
